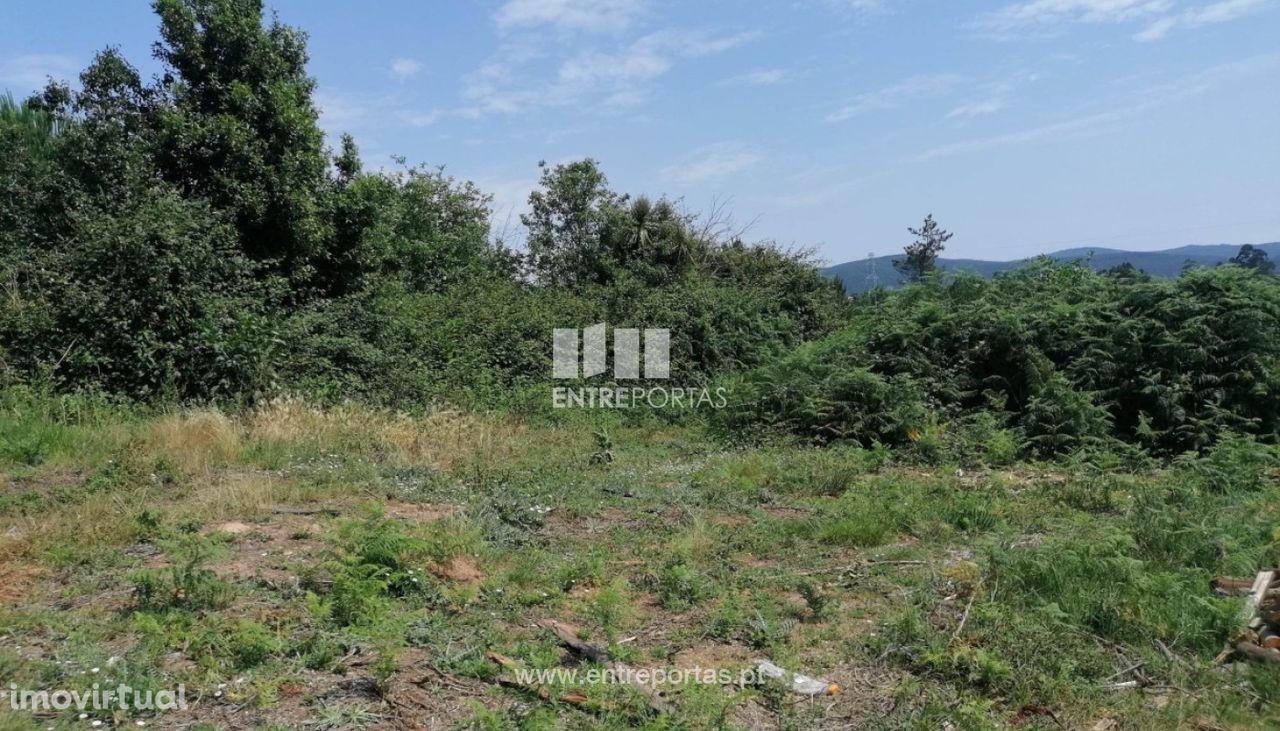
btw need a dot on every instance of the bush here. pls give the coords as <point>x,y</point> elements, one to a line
<point>1070,359</point>
<point>819,395</point>
<point>185,585</point>
<point>1059,420</point>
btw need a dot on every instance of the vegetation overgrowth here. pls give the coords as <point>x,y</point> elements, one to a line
<point>1045,360</point>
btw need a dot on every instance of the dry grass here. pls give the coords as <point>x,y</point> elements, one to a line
<point>442,439</point>
<point>197,441</point>
<point>211,451</point>
<point>102,519</point>
<point>232,495</point>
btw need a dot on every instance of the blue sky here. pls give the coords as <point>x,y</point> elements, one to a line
<point>1022,125</point>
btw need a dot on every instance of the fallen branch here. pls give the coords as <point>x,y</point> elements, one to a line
<point>331,512</point>
<point>1257,652</point>
<point>569,639</point>
<point>1255,624</point>
<point>571,697</point>
<point>964,618</point>
<point>1126,671</point>
<point>1228,586</point>
<point>853,569</point>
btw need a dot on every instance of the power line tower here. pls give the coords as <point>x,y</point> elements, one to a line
<point>873,277</point>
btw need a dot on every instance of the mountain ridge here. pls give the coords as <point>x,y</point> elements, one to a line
<point>862,275</point>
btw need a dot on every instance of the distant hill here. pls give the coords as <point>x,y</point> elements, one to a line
<point>857,275</point>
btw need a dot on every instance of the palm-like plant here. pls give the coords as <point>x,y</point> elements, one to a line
<point>657,234</point>
<point>35,127</point>
<point>643,223</point>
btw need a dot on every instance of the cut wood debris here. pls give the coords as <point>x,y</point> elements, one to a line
<point>572,697</point>
<point>568,637</point>
<point>1260,639</point>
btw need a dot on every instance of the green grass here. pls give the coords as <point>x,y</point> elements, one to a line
<point>408,550</point>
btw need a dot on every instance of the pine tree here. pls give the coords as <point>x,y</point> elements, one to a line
<point>922,254</point>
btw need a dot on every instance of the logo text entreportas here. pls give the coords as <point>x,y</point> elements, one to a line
<point>584,353</point>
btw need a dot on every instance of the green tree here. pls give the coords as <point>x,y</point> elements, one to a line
<point>1252,257</point>
<point>566,224</point>
<point>241,129</point>
<point>420,227</point>
<point>922,254</point>
<point>651,242</point>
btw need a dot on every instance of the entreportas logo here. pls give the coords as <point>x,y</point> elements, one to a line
<point>582,354</point>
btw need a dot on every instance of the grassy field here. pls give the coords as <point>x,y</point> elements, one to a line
<point>346,568</point>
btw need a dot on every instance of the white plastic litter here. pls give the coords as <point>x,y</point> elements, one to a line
<point>802,684</point>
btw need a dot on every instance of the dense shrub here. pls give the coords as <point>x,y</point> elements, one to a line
<point>828,398</point>
<point>472,345</point>
<point>1067,358</point>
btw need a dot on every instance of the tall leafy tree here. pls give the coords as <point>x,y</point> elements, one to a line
<point>655,233</point>
<point>1252,257</point>
<point>242,128</point>
<point>566,222</point>
<point>115,279</point>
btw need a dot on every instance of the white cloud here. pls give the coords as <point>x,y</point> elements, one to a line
<point>981,108</point>
<point>993,97</point>
<point>1044,14</point>
<point>592,16</point>
<point>1140,101</point>
<point>32,71</point>
<point>633,64</point>
<point>346,112</point>
<point>341,111</point>
<point>618,77</point>
<point>1223,11</point>
<point>890,97</point>
<point>498,86</point>
<point>859,6</point>
<point>1054,131</point>
<point>647,58</point>
<point>627,98</point>
<point>419,119</point>
<point>761,77</point>
<point>403,68</point>
<point>712,162</point>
